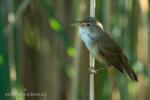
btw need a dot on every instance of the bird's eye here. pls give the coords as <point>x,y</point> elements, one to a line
<point>87,24</point>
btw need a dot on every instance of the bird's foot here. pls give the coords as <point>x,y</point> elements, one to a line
<point>94,70</point>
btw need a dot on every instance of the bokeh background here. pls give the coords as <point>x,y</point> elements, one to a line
<point>43,58</point>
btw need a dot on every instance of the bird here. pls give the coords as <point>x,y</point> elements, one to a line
<point>103,47</point>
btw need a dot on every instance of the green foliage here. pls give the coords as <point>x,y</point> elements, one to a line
<point>4,69</point>
<point>1,59</point>
<point>72,52</point>
<point>56,26</point>
<point>31,37</point>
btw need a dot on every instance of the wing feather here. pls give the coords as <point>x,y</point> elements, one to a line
<point>110,51</point>
<point>113,55</point>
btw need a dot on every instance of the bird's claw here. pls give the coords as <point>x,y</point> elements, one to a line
<point>92,70</point>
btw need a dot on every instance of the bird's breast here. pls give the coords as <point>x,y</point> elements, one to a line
<point>89,42</point>
<point>85,37</point>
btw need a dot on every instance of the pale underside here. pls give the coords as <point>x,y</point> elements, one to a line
<point>91,46</point>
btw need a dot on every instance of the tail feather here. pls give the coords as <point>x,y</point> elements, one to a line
<point>131,73</point>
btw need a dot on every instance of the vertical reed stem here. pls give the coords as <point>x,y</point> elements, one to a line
<point>91,58</point>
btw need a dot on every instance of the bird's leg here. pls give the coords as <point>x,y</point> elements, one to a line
<point>102,68</point>
<point>94,70</point>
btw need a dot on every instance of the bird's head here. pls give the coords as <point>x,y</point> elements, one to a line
<point>89,25</point>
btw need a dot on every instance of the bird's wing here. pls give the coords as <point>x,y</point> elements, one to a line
<point>113,55</point>
<point>111,52</point>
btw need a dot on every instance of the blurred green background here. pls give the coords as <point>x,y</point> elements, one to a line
<point>43,58</point>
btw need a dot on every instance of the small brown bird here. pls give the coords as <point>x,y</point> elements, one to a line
<point>103,47</point>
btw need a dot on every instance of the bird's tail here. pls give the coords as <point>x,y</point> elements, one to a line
<point>131,72</point>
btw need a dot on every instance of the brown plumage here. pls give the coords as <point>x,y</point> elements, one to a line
<point>101,45</point>
<point>113,55</point>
